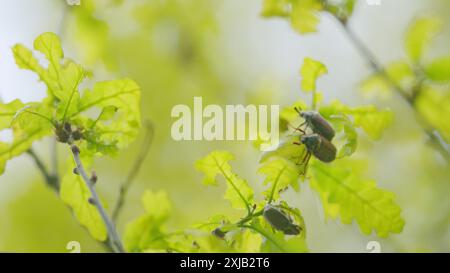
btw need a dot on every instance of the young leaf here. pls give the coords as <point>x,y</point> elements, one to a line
<point>310,71</point>
<point>75,193</point>
<point>147,232</point>
<point>272,8</point>
<point>288,115</point>
<point>351,140</point>
<point>280,173</point>
<point>419,36</point>
<point>27,125</point>
<point>304,15</point>
<point>376,86</point>
<point>439,70</point>
<point>118,100</point>
<point>157,205</point>
<point>289,151</point>
<point>62,80</point>
<point>247,241</point>
<point>369,118</point>
<point>144,234</point>
<point>401,73</point>
<point>116,96</point>
<point>433,105</point>
<point>216,163</point>
<point>8,111</point>
<point>277,242</point>
<point>356,198</point>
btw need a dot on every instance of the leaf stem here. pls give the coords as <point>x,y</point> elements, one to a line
<point>113,237</point>
<point>249,217</point>
<point>314,100</point>
<point>266,235</point>
<point>433,134</point>
<point>272,191</point>
<point>134,170</point>
<point>247,205</point>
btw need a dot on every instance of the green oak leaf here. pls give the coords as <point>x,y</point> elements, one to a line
<point>75,193</point>
<point>304,15</point>
<point>276,241</point>
<point>310,71</point>
<point>273,8</point>
<point>238,191</point>
<point>28,123</point>
<point>347,195</point>
<point>419,35</point>
<point>433,105</point>
<point>118,101</point>
<point>280,174</point>
<point>369,118</point>
<point>439,69</point>
<point>119,120</point>
<point>147,232</point>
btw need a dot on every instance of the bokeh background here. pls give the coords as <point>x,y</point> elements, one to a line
<point>224,51</point>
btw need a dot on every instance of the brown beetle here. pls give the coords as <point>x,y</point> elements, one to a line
<point>279,220</point>
<point>316,122</point>
<point>319,146</point>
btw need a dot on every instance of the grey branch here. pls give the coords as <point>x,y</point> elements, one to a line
<point>432,133</point>
<point>113,237</point>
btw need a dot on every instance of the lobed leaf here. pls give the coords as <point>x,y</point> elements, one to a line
<point>304,15</point>
<point>372,120</point>
<point>277,241</point>
<point>238,191</point>
<point>147,232</point>
<point>310,71</point>
<point>118,100</point>
<point>351,197</point>
<point>280,173</point>
<point>438,70</point>
<point>419,36</point>
<point>27,127</point>
<point>119,120</point>
<point>75,193</point>
<point>275,8</point>
<point>433,104</point>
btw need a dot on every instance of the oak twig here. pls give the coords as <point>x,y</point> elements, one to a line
<point>410,97</point>
<point>50,179</point>
<point>134,170</point>
<point>113,237</point>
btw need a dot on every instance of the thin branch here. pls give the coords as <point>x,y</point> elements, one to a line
<point>432,133</point>
<point>134,170</point>
<point>50,179</point>
<point>54,159</point>
<point>113,237</point>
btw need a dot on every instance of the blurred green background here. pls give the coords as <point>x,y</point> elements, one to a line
<point>224,51</point>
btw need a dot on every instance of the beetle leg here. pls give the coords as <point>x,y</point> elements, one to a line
<point>306,158</point>
<point>305,162</point>
<point>298,128</point>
